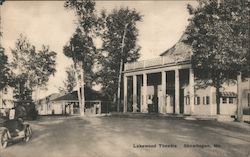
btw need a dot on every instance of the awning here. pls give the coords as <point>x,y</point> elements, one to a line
<point>228,94</point>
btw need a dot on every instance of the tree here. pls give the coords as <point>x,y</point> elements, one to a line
<point>4,74</point>
<point>82,51</point>
<point>219,35</point>
<point>119,47</point>
<point>70,82</point>
<point>81,47</point>
<point>30,68</point>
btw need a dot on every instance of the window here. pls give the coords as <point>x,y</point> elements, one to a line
<point>187,100</point>
<point>5,90</point>
<point>224,100</point>
<point>248,99</point>
<point>198,100</point>
<point>231,100</point>
<point>149,96</point>
<point>207,100</point>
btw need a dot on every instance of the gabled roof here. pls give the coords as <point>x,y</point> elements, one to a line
<point>51,96</point>
<point>89,94</point>
<point>67,97</point>
<point>180,51</point>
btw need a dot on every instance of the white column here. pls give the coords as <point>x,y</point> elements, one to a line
<point>212,105</point>
<point>1,98</point>
<point>134,93</point>
<point>72,108</point>
<point>145,105</point>
<point>177,92</point>
<point>125,91</point>
<point>191,90</point>
<point>239,98</point>
<point>163,83</point>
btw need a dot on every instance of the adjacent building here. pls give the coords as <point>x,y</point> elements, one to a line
<point>68,103</point>
<point>44,106</point>
<point>6,98</point>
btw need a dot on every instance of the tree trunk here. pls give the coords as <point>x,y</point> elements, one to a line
<point>1,98</point>
<point>119,87</point>
<point>78,86</point>
<point>239,98</point>
<point>82,87</point>
<point>218,96</point>
<point>120,72</point>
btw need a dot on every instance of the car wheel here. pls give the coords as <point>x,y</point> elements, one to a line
<point>28,133</point>
<point>4,139</point>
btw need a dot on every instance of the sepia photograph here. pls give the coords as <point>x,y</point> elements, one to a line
<point>124,78</point>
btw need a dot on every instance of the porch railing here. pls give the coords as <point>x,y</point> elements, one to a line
<point>161,61</point>
<point>97,107</point>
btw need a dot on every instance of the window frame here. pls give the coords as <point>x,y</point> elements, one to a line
<point>232,100</point>
<point>187,100</point>
<point>222,100</point>
<point>207,100</point>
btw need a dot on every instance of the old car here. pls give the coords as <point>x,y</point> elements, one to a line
<point>12,130</point>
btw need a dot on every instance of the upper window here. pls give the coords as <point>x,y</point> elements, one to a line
<point>5,90</point>
<point>224,100</point>
<point>248,99</point>
<point>231,100</point>
<point>187,100</point>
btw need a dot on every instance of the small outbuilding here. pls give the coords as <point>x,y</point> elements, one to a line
<point>68,104</point>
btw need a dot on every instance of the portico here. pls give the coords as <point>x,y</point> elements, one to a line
<point>168,84</point>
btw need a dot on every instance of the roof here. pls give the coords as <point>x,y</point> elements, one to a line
<point>67,97</point>
<point>228,94</point>
<point>180,51</point>
<point>89,94</point>
<point>52,96</point>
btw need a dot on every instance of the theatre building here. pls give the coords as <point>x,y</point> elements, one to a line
<point>167,85</point>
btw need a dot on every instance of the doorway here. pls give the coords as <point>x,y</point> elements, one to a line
<point>181,101</point>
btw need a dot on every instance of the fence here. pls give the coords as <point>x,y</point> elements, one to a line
<point>98,107</point>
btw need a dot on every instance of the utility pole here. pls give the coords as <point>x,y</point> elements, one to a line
<point>1,48</point>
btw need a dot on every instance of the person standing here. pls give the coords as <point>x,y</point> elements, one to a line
<point>150,103</point>
<point>155,104</point>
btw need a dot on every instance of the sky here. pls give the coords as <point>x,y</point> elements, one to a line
<point>49,23</point>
